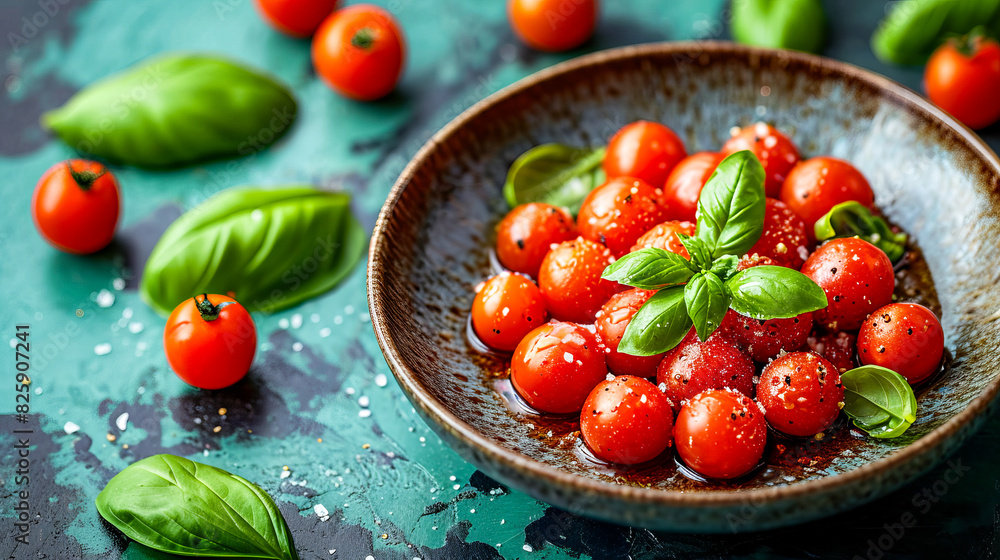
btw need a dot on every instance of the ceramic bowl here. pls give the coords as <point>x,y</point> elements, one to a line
<point>431,246</point>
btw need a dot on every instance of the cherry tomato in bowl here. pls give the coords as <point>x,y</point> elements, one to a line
<point>627,420</point>
<point>359,51</point>
<point>210,341</point>
<point>857,278</point>
<point>297,18</point>
<point>684,184</point>
<point>552,25</point>
<point>775,151</point>
<point>816,185</point>
<point>527,232</point>
<point>801,393</point>
<point>556,366</point>
<point>644,150</point>
<point>506,308</point>
<point>618,212</point>
<point>76,206</point>
<point>904,337</point>
<point>720,434</point>
<point>963,78</point>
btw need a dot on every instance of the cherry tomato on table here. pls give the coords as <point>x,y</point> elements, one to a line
<point>76,206</point>
<point>644,150</point>
<point>963,78</point>
<point>720,433</point>
<point>818,184</point>
<point>556,366</point>
<point>904,337</point>
<point>506,308</point>
<point>801,394</point>
<point>527,232</point>
<point>627,420</point>
<point>571,283</point>
<point>210,341</point>
<point>298,18</point>
<point>775,151</point>
<point>695,366</point>
<point>684,184</point>
<point>553,25</point>
<point>857,278</point>
<point>665,236</point>
<point>612,320</point>
<point>616,213</point>
<point>359,52</point>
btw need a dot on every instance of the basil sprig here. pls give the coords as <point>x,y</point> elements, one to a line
<point>879,401</point>
<point>850,219</point>
<point>175,505</point>
<point>555,174</point>
<point>699,291</point>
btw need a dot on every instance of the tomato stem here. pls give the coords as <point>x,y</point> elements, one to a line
<point>84,179</point>
<point>364,38</point>
<point>207,309</point>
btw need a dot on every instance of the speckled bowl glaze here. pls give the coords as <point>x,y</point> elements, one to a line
<point>431,247</point>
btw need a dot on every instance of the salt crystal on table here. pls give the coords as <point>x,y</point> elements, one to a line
<point>105,299</point>
<point>102,349</point>
<point>296,320</point>
<point>122,421</point>
<point>381,380</point>
<point>325,332</point>
<point>71,428</point>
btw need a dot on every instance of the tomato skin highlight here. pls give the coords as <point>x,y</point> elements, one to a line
<point>904,337</point>
<point>776,152</point>
<point>857,278</point>
<point>359,52</point>
<point>612,320</point>
<point>297,18</point>
<point>74,219</point>
<point>527,232</point>
<point>571,283</point>
<point>555,367</point>
<point>816,185</point>
<point>801,393</point>
<point>506,308</point>
<point>627,420</point>
<point>684,184</point>
<point>694,366</point>
<point>552,25</point>
<point>618,212</point>
<point>720,434</point>
<point>644,150</point>
<point>210,354</point>
<point>966,85</point>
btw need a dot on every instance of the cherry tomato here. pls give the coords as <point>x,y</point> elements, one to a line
<point>557,365</point>
<point>612,320</point>
<point>818,184</point>
<point>76,206</point>
<point>784,238</point>
<point>552,25</point>
<point>720,433</point>
<point>527,233</point>
<point>836,347</point>
<point>359,52</point>
<point>298,18</point>
<point>571,283</point>
<point>506,308</point>
<point>616,213</point>
<point>684,184</point>
<point>904,337</point>
<point>775,151</point>
<point>801,394</point>
<point>857,278</point>
<point>644,150</point>
<point>963,78</point>
<point>664,236</point>
<point>695,366</point>
<point>210,341</point>
<point>627,420</point>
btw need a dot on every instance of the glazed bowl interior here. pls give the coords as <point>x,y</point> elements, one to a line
<point>431,247</point>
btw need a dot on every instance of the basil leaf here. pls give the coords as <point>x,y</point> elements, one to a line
<point>273,248</point>
<point>774,292</point>
<point>659,325</point>
<point>849,219</point>
<point>173,110</point>
<point>707,302</point>
<point>701,255</point>
<point>781,24</point>
<point>879,400</point>
<point>554,174</point>
<point>176,505</point>
<point>914,28</point>
<point>725,266</point>
<point>731,206</point>
<point>649,269</point>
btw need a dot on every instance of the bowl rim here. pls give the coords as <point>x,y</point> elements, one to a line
<point>472,438</point>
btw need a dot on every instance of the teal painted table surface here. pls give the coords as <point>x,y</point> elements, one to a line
<point>320,423</point>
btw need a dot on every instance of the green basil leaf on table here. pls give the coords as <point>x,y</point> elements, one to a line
<point>273,248</point>
<point>725,266</point>
<point>649,269</point>
<point>698,250</point>
<point>174,110</point>
<point>176,505</point>
<point>659,325</point>
<point>731,206</point>
<point>782,24</point>
<point>774,292</point>
<point>914,28</point>
<point>555,174</point>
<point>707,302</point>
<point>849,219</point>
<point>879,401</point>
